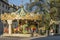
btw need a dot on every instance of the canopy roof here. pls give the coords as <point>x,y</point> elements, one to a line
<point>21,14</point>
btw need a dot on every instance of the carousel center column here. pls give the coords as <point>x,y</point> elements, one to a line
<point>9,23</point>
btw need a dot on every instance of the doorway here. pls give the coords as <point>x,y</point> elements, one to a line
<point>57,28</point>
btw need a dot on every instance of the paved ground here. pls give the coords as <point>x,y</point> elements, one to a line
<point>48,38</point>
<point>11,38</point>
<point>31,38</point>
<point>16,38</point>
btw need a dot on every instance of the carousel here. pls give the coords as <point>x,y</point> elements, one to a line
<point>20,23</point>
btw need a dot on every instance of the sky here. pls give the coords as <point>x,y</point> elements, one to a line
<point>18,2</point>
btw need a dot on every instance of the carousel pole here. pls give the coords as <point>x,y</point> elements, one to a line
<point>9,23</point>
<point>38,28</point>
<point>18,21</point>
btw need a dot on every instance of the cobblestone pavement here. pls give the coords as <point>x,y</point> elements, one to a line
<point>12,38</point>
<point>31,38</point>
<point>48,38</point>
<point>16,38</point>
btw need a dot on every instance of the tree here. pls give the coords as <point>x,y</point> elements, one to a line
<point>42,9</point>
<point>39,5</point>
<point>54,10</point>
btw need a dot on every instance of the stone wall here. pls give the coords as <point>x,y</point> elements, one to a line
<point>1,28</point>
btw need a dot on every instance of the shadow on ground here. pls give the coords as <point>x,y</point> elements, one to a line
<point>56,35</point>
<point>48,38</point>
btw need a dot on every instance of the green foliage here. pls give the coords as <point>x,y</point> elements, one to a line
<point>47,21</point>
<point>54,10</point>
<point>47,28</point>
<point>46,16</point>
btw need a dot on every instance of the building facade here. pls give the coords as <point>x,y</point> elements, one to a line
<point>5,7</point>
<point>6,1</point>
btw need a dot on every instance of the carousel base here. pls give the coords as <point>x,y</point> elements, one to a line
<point>16,35</point>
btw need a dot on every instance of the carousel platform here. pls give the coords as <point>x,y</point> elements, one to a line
<point>16,35</point>
<point>22,35</point>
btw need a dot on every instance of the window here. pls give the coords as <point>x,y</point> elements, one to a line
<point>2,5</point>
<point>2,12</point>
<point>6,7</point>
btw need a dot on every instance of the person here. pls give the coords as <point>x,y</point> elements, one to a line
<point>32,33</point>
<point>52,32</point>
<point>5,29</point>
<point>33,29</point>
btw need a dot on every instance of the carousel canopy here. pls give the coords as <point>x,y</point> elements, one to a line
<point>21,14</point>
<point>21,11</point>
